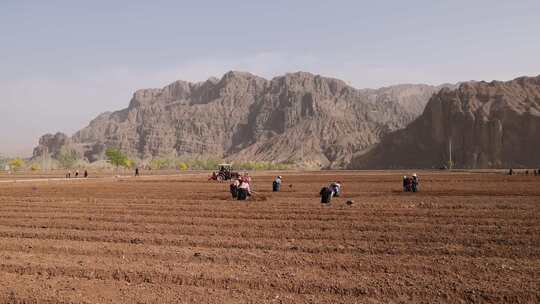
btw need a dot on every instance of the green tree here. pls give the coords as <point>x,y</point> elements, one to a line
<point>68,158</point>
<point>117,158</point>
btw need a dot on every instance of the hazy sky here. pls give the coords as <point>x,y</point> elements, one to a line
<point>64,62</point>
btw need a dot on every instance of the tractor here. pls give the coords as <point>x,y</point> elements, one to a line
<point>225,172</point>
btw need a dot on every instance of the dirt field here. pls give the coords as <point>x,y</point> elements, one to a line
<point>465,238</point>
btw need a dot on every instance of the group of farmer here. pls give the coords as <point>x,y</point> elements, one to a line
<point>410,183</point>
<point>526,172</point>
<point>240,187</point>
<point>85,173</point>
<point>76,174</point>
<point>330,191</point>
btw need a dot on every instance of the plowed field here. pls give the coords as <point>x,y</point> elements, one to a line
<point>465,238</point>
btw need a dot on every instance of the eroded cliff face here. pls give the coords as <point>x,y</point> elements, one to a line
<point>486,125</point>
<point>299,118</point>
<point>51,144</point>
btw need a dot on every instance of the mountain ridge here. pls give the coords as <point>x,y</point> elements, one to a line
<point>484,124</point>
<point>246,117</point>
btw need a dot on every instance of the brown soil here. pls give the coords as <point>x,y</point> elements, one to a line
<point>465,238</point>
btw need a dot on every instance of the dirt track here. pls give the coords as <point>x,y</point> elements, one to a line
<point>464,238</point>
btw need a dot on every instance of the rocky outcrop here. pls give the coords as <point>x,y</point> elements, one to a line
<point>298,118</point>
<point>51,145</point>
<point>482,125</point>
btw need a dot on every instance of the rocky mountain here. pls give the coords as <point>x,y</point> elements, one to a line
<point>297,118</point>
<point>482,125</point>
<point>50,144</point>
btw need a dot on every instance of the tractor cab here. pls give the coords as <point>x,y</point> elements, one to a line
<point>224,168</point>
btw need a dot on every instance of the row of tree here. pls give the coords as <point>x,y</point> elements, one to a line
<point>212,164</point>
<point>118,159</point>
<point>16,164</point>
<point>69,159</point>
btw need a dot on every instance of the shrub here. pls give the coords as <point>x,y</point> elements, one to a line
<point>182,166</point>
<point>157,164</point>
<point>16,163</point>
